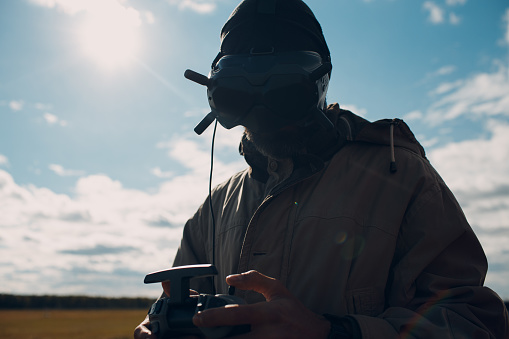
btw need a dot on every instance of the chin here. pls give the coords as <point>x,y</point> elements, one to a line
<point>282,144</point>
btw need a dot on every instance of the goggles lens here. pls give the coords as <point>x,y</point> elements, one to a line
<point>277,84</point>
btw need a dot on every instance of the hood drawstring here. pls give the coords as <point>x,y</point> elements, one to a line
<point>393,167</point>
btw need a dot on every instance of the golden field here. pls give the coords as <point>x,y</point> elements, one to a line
<point>69,324</point>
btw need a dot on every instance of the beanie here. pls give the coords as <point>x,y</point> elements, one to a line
<point>284,25</point>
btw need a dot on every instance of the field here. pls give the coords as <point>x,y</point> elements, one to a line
<point>69,324</point>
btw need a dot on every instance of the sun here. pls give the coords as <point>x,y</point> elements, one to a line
<point>110,41</point>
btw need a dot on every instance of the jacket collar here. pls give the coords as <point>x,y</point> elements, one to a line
<point>310,162</point>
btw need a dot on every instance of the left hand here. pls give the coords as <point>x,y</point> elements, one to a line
<point>282,315</point>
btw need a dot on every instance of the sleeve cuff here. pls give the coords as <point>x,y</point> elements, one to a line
<point>343,327</point>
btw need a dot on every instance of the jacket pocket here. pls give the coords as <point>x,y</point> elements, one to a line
<point>365,301</point>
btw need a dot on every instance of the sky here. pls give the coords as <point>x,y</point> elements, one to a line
<point>99,164</point>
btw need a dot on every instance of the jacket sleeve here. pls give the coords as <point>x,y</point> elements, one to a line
<point>193,247</point>
<point>436,285</point>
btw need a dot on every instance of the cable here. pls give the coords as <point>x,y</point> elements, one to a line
<point>210,204</point>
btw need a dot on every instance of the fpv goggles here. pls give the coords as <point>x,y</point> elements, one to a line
<point>266,91</point>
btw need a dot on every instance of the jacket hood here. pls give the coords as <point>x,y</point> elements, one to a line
<point>377,132</point>
<point>351,129</point>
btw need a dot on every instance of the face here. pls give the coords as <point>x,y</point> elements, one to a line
<point>287,142</point>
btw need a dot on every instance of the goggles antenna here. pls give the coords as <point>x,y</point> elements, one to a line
<point>205,81</point>
<point>197,77</point>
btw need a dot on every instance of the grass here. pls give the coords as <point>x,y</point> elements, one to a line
<point>69,324</point>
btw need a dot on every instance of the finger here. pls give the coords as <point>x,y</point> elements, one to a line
<point>166,287</point>
<point>231,315</point>
<point>255,281</point>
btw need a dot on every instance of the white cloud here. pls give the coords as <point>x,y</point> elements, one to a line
<point>506,22</point>
<point>355,109</point>
<point>160,174</point>
<point>43,107</point>
<point>445,70</point>
<point>52,119</point>
<point>414,115</point>
<point>104,238</point>
<point>447,87</point>
<point>3,160</point>
<point>479,165</point>
<point>16,105</point>
<point>199,6</point>
<point>149,17</point>
<point>455,2</point>
<point>436,13</point>
<point>99,8</point>
<point>61,171</point>
<point>454,19</point>
<point>477,171</point>
<point>483,94</point>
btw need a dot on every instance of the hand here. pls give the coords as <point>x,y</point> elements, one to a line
<point>142,331</point>
<point>281,316</point>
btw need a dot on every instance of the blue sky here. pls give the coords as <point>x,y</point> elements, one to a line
<point>100,168</point>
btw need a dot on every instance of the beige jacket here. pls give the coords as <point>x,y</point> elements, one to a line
<point>348,236</point>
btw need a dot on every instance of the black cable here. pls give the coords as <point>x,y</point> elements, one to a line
<point>210,203</point>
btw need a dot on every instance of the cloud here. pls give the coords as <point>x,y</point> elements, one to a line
<point>104,238</point>
<point>436,13</point>
<point>112,9</point>
<point>357,110</point>
<point>447,87</point>
<point>454,19</point>
<point>149,17</point>
<point>16,105</point>
<point>445,70</point>
<point>160,174</point>
<point>506,22</point>
<point>61,171</point>
<point>42,106</point>
<point>199,6</point>
<point>477,172</point>
<point>414,115</point>
<point>3,160</point>
<point>477,169</point>
<point>103,228</point>
<point>100,250</point>
<point>455,2</point>
<point>478,166</point>
<point>52,119</point>
<point>483,94</point>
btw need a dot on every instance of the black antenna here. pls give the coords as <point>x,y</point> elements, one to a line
<point>197,77</point>
<point>205,123</point>
<point>205,81</point>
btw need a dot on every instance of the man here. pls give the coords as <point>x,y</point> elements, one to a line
<point>339,228</point>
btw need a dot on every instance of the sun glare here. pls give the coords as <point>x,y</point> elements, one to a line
<point>110,39</point>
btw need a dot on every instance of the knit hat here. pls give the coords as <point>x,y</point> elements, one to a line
<point>284,25</point>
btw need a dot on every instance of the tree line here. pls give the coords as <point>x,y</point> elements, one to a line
<point>19,302</point>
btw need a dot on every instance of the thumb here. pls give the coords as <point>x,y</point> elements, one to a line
<point>166,287</point>
<point>269,287</point>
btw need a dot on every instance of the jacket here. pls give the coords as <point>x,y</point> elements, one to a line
<point>370,231</point>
